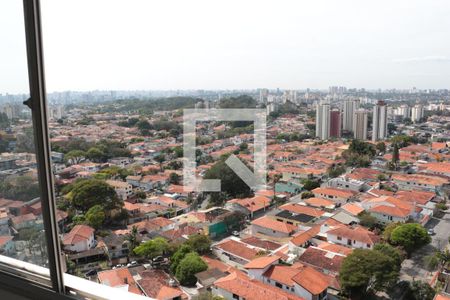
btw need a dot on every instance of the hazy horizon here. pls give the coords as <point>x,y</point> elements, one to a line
<point>200,44</point>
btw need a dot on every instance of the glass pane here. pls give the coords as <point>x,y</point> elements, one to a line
<point>22,233</point>
<point>331,96</point>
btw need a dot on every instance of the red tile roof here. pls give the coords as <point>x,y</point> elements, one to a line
<point>322,259</point>
<point>155,284</point>
<point>341,193</point>
<point>262,262</point>
<point>302,209</point>
<point>252,204</point>
<point>77,234</point>
<point>390,211</point>
<point>311,280</point>
<point>305,236</point>
<point>352,208</point>
<point>263,244</point>
<point>357,233</point>
<point>117,278</point>
<point>268,222</point>
<point>249,289</point>
<point>238,249</point>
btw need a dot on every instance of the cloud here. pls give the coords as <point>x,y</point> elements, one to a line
<point>422,59</point>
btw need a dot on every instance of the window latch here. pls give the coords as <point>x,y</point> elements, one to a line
<point>28,103</point>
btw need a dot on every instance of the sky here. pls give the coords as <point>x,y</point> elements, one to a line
<point>232,44</point>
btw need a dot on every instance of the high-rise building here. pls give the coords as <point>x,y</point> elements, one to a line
<point>379,128</point>
<point>323,120</point>
<point>404,111</point>
<point>335,123</point>
<point>263,95</point>
<point>360,124</point>
<point>348,109</point>
<point>417,113</point>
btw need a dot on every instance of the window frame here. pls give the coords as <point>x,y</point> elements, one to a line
<point>24,278</point>
<point>38,105</point>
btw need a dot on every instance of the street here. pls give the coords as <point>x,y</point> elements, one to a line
<point>414,268</point>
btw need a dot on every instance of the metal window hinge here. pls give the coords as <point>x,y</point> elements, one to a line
<point>28,102</point>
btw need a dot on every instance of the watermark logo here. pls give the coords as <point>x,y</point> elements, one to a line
<point>256,180</point>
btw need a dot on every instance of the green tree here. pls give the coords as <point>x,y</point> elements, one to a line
<point>96,155</point>
<point>307,194</point>
<point>178,256</point>
<point>387,232</point>
<point>152,248</point>
<point>132,238</point>
<point>141,194</point>
<point>75,156</point>
<point>88,193</point>
<point>78,219</point>
<point>309,184</point>
<point>144,126</point>
<point>381,147</point>
<point>95,216</point>
<point>364,271</point>
<point>178,151</point>
<point>160,159</point>
<point>443,257</point>
<point>174,178</point>
<point>367,220</point>
<point>395,156</point>
<point>190,265</point>
<point>200,243</point>
<point>231,184</point>
<point>431,262</point>
<point>114,172</point>
<point>392,252</point>
<point>419,290</point>
<point>335,171</point>
<point>243,147</point>
<point>22,188</point>
<point>410,236</point>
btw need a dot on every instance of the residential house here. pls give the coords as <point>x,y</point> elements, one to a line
<point>235,253</point>
<point>424,182</point>
<point>79,239</point>
<point>238,286</point>
<point>354,237</point>
<point>322,260</point>
<point>116,247</point>
<point>303,281</point>
<point>123,189</point>
<point>272,228</point>
<point>156,284</point>
<point>340,196</point>
<point>298,214</point>
<point>251,207</point>
<point>119,278</point>
<point>389,209</point>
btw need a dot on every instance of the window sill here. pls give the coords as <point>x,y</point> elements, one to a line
<point>27,279</point>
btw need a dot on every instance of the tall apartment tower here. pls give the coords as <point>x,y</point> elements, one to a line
<point>360,124</point>
<point>323,120</point>
<point>404,111</point>
<point>348,109</point>
<point>417,113</point>
<point>335,123</point>
<point>263,95</point>
<point>379,129</point>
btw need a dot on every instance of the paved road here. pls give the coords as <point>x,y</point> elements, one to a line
<point>414,268</point>
<point>442,231</point>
